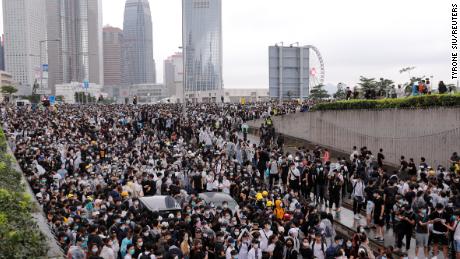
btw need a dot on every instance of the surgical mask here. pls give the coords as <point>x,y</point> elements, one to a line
<point>94,250</point>
<point>140,243</point>
<point>349,244</point>
<point>131,251</point>
<point>340,242</point>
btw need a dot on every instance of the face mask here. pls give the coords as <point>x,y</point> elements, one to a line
<point>140,243</point>
<point>349,244</point>
<point>340,242</point>
<point>94,250</point>
<point>146,234</point>
<point>237,233</point>
<point>131,251</point>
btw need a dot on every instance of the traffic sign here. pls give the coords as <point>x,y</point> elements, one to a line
<point>52,99</point>
<point>45,67</point>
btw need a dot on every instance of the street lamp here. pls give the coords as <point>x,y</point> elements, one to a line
<point>184,83</point>
<point>41,64</point>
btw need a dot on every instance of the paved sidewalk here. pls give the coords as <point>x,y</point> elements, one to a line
<point>345,217</point>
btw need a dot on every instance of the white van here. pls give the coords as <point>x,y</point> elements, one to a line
<point>22,102</point>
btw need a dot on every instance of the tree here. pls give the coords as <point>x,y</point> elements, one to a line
<point>318,92</point>
<point>9,90</point>
<point>368,87</point>
<point>384,86</point>
<point>451,88</point>
<point>341,93</point>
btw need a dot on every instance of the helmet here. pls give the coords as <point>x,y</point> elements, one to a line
<point>259,196</point>
<point>269,204</point>
<point>264,193</point>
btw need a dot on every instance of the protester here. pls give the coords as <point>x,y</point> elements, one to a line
<point>90,166</point>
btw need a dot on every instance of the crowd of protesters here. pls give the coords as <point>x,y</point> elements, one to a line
<point>89,165</point>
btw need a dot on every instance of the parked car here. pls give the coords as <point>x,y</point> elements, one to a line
<point>160,203</point>
<point>217,198</point>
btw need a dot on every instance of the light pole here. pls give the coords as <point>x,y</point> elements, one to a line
<point>184,83</point>
<point>41,64</point>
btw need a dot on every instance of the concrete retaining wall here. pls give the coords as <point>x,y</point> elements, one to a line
<point>432,133</point>
<point>54,250</point>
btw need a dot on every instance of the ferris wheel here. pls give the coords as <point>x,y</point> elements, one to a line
<point>316,67</point>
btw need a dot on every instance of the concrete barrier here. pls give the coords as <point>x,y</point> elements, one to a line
<point>431,133</point>
<point>54,250</point>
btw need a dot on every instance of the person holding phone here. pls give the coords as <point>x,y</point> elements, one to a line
<point>439,233</point>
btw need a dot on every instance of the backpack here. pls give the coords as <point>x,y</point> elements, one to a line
<point>312,244</point>
<point>331,252</point>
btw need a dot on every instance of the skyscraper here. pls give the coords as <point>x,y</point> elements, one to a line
<point>289,72</point>
<point>75,46</point>
<point>202,41</point>
<point>113,40</point>
<point>138,63</point>
<point>25,28</point>
<point>174,75</point>
<point>2,54</point>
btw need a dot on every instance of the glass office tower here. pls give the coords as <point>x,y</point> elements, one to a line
<point>138,63</point>
<point>202,41</point>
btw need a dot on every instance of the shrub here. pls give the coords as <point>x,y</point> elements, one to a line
<point>435,100</point>
<point>20,236</point>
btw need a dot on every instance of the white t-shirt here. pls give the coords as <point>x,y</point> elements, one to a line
<point>264,236</point>
<point>457,231</point>
<point>318,250</point>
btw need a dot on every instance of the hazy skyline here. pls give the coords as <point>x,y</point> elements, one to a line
<point>369,38</point>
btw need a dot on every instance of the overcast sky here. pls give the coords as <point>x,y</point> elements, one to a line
<point>360,37</point>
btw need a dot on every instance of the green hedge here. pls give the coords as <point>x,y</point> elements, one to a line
<point>20,236</point>
<point>444,100</point>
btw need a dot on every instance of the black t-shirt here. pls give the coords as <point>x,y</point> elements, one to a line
<point>412,170</point>
<point>437,225</point>
<point>403,164</point>
<point>390,194</point>
<point>421,228</point>
<point>380,158</point>
<point>378,207</point>
<point>404,223</point>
